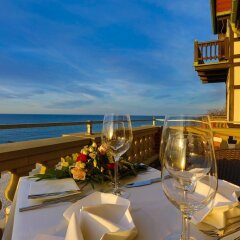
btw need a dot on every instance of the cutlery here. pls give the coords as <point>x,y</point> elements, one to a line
<point>49,202</point>
<point>221,233</point>
<point>143,183</point>
<point>70,192</point>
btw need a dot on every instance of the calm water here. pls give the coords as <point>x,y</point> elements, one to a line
<point>15,135</point>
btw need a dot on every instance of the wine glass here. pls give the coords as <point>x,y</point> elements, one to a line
<point>196,124</point>
<point>189,175</point>
<point>117,135</point>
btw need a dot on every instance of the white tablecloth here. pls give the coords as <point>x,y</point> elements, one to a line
<point>154,216</point>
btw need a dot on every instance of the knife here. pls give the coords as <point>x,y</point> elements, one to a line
<point>49,202</point>
<point>64,193</point>
<point>143,183</point>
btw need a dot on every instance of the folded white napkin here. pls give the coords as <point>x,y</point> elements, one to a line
<point>216,212</point>
<point>100,216</point>
<point>51,186</point>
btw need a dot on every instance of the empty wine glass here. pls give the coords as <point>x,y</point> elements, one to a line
<point>189,175</point>
<point>196,124</point>
<point>117,135</point>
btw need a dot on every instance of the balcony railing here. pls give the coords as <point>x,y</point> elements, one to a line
<point>206,52</point>
<point>89,124</point>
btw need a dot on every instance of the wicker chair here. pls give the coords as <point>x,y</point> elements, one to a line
<point>228,161</point>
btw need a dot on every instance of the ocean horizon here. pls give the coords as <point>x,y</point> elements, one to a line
<point>25,134</point>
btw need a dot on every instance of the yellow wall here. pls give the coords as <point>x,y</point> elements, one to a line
<point>237,75</point>
<point>236,47</point>
<point>236,81</point>
<point>237,105</point>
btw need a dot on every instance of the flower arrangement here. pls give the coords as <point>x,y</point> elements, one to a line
<point>91,164</point>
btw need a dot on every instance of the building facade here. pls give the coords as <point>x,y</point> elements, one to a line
<point>219,60</point>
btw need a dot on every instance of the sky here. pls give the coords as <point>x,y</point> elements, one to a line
<point>99,56</point>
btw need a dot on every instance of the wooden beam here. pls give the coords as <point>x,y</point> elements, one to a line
<point>217,79</point>
<point>212,73</point>
<point>212,81</point>
<point>236,39</point>
<point>236,56</point>
<point>213,66</point>
<point>231,79</point>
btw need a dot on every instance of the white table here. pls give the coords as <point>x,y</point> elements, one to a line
<point>154,216</point>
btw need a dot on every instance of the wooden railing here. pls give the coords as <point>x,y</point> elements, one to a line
<point>89,124</point>
<point>211,50</point>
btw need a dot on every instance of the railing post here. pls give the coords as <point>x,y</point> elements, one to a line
<point>226,41</point>
<point>154,121</point>
<point>196,52</point>
<point>89,127</point>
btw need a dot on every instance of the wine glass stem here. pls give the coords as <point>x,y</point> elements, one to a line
<point>185,227</point>
<point>116,190</point>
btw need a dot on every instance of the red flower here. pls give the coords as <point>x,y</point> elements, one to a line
<point>110,166</point>
<point>82,157</point>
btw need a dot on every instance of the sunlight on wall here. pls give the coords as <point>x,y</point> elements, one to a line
<point>237,106</point>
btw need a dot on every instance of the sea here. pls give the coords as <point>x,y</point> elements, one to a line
<point>25,134</point>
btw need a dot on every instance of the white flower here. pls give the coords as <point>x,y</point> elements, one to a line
<point>59,166</point>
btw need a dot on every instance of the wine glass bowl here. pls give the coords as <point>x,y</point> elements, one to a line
<point>195,124</point>
<point>188,156</point>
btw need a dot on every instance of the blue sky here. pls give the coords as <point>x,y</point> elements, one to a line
<point>98,56</point>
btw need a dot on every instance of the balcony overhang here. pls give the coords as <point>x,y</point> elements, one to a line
<point>213,72</point>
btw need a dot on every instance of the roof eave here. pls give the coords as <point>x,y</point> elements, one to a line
<point>234,11</point>
<point>213,13</point>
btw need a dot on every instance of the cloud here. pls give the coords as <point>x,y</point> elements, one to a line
<point>94,57</point>
<point>69,104</point>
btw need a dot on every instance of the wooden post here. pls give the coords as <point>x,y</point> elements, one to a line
<point>226,41</point>
<point>89,127</point>
<point>196,52</point>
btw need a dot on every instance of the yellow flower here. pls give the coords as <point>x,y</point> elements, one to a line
<point>64,164</point>
<point>92,155</point>
<point>67,158</point>
<point>94,145</point>
<point>84,151</point>
<point>80,164</point>
<point>90,149</point>
<point>103,149</point>
<point>74,156</point>
<point>95,163</point>
<point>78,173</point>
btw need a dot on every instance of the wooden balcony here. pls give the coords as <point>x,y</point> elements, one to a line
<point>211,60</point>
